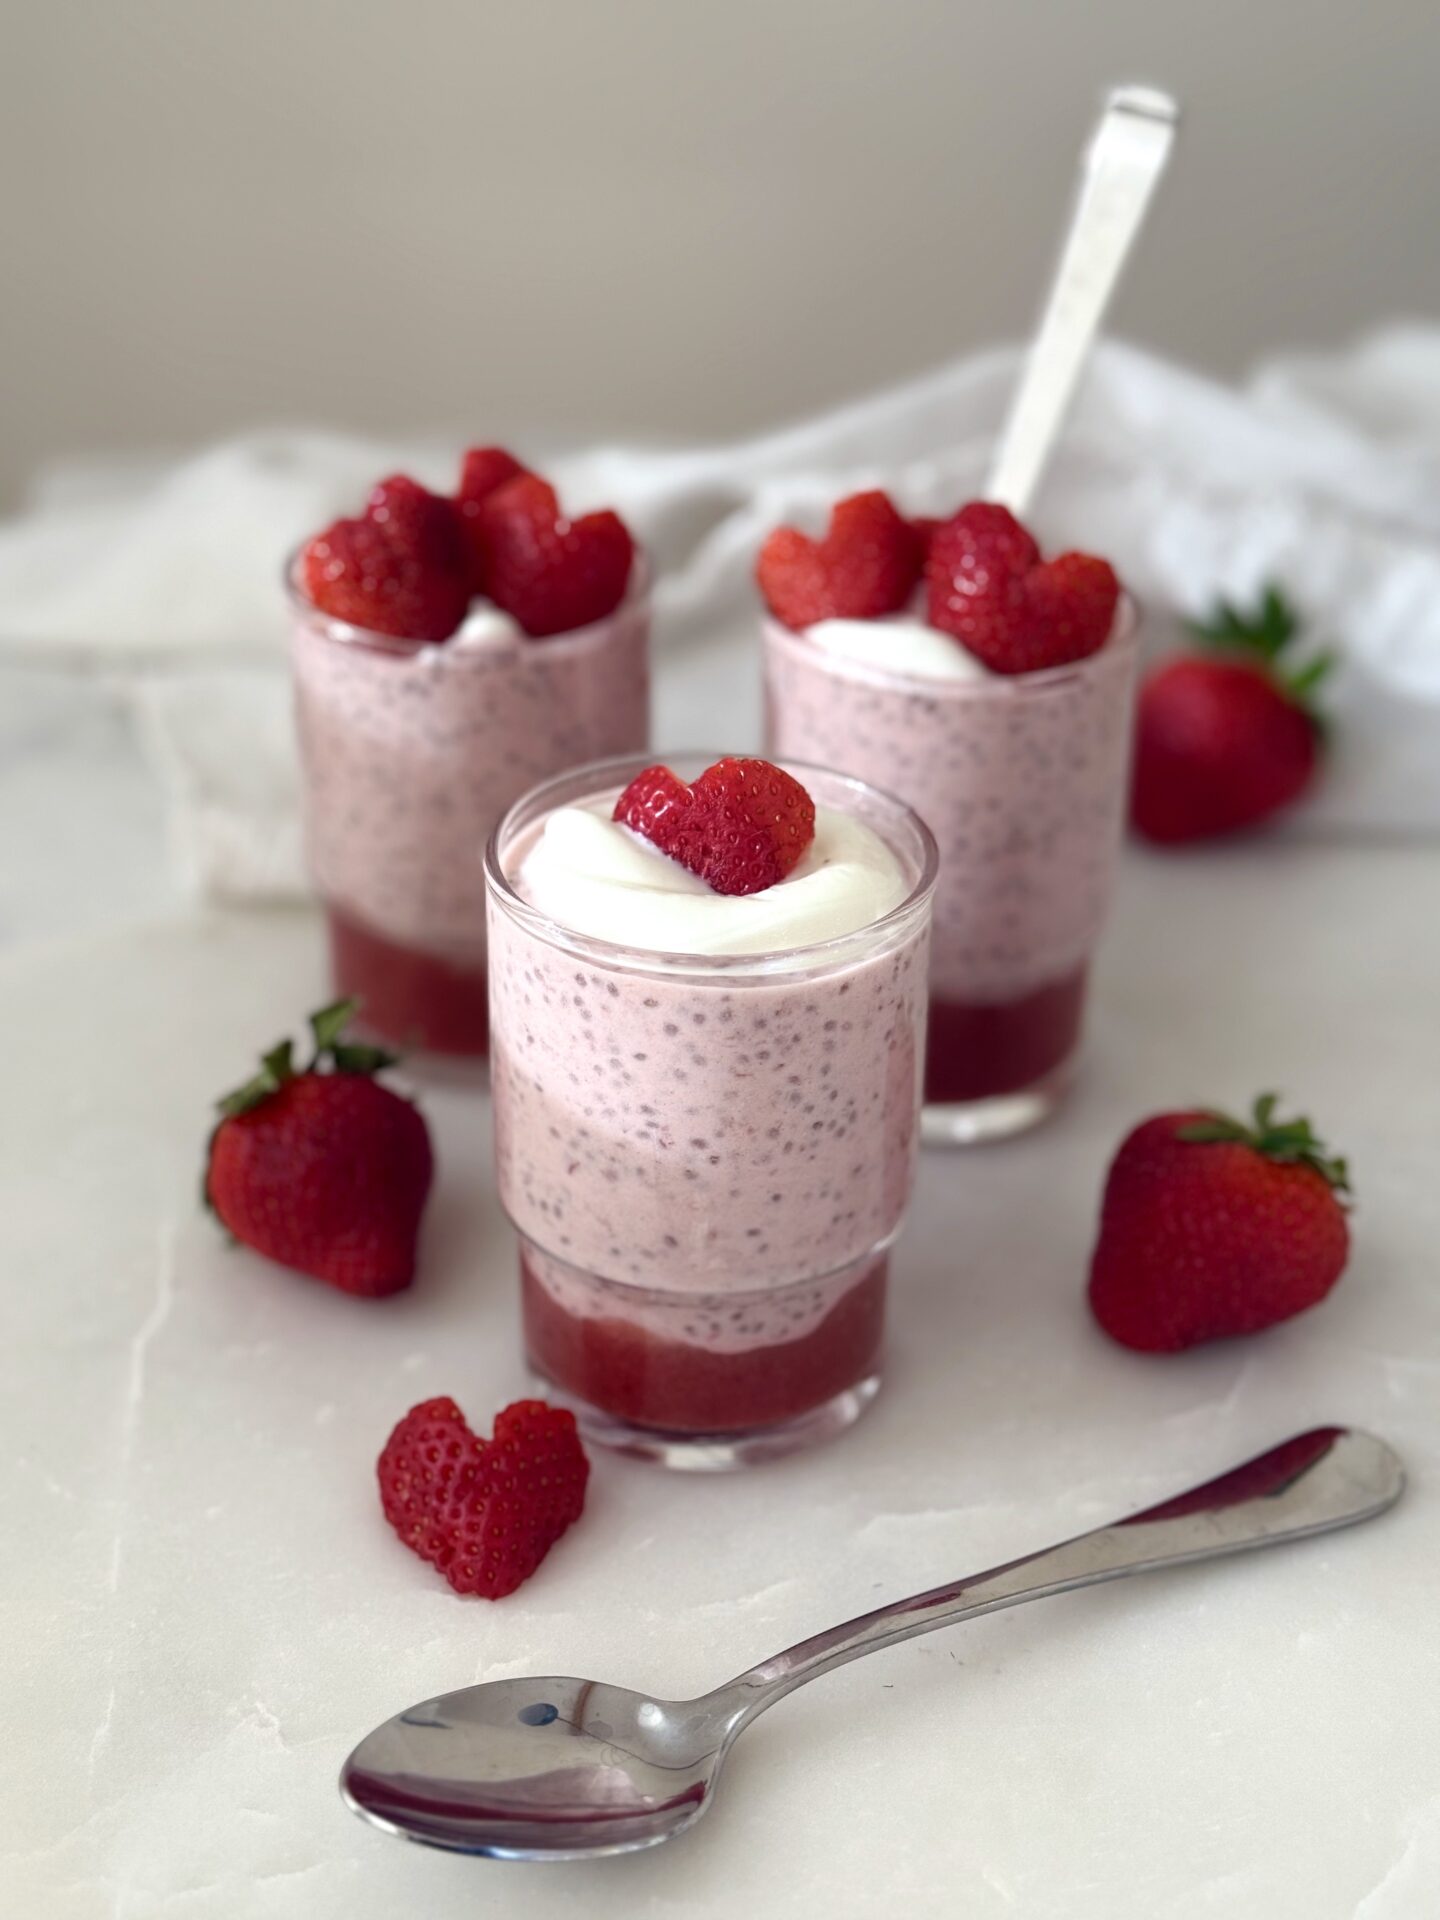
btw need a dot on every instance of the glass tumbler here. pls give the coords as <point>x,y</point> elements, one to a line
<point>707,1159</point>
<point>1023,781</point>
<point>409,754</point>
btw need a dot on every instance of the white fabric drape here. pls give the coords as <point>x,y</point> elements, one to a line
<point>1322,472</point>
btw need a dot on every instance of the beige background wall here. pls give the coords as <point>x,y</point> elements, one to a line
<point>680,216</point>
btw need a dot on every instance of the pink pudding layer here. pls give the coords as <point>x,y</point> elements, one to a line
<point>706,1165</point>
<point>1022,780</point>
<point>409,755</point>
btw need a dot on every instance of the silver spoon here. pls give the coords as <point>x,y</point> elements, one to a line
<point>557,1769</point>
<point>1119,174</point>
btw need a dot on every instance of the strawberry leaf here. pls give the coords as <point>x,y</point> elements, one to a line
<point>330,1022</point>
<point>1291,1142</point>
<point>345,1056</point>
<point>354,1058</point>
<point>1267,628</point>
<point>1305,679</point>
<point>1266,632</point>
<point>278,1065</point>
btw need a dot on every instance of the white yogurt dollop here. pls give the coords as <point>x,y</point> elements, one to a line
<point>899,643</point>
<point>598,878</point>
<point>487,626</point>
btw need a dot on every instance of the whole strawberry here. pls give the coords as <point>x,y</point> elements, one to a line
<point>323,1169</point>
<point>485,1512</point>
<point>1226,738</point>
<point>1209,1229</point>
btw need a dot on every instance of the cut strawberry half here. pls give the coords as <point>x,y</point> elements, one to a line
<point>658,805</point>
<point>418,522</point>
<point>866,565</point>
<point>757,822</point>
<point>398,570</point>
<point>1072,601</point>
<point>552,574</point>
<point>482,472</point>
<point>743,826</point>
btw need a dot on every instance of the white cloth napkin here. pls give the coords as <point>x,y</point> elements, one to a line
<point>1322,473</point>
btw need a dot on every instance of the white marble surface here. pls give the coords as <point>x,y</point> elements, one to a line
<point>205,1608</point>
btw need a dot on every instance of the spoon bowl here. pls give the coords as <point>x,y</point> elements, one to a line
<point>544,1768</point>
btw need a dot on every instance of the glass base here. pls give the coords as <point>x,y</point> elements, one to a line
<point>705,1381</point>
<point>717,1452</point>
<point>968,1123</point>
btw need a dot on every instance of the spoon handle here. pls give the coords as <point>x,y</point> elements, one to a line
<point>1329,1477</point>
<point>1121,169</point>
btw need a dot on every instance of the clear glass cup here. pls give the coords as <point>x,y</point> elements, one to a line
<point>1023,781</point>
<point>409,754</point>
<point>707,1159</point>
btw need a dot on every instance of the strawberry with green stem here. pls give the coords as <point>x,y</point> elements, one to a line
<point>1228,737</point>
<point>1212,1227</point>
<point>320,1167</point>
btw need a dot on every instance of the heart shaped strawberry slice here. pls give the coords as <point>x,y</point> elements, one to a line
<point>551,573</point>
<point>987,586</point>
<point>485,1512</point>
<point>743,826</point>
<point>866,565</point>
<point>398,570</point>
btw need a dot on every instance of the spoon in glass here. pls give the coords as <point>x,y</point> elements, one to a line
<point>1120,172</point>
<point>564,1769</point>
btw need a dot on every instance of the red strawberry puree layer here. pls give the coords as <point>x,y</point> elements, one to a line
<point>694,1365</point>
<point>409,757</point>
<point>1022,781</point>
<point>706,1167</point>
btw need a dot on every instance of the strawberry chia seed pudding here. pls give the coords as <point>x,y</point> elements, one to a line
<point>706,1112</point>
<point>446,656</point>
<point>1019,768</point>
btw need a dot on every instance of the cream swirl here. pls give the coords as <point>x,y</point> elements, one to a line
<point>598,878</point>
<point>898,643</point>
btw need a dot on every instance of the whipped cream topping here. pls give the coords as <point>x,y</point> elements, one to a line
<point>487,626</point>
<point>597,877</point>
<point>899,643</point>
<point>485,629</point>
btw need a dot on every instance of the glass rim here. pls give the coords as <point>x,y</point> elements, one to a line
<point>342,633</point>
<point>1121,646</point>
<point>777,962</point>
